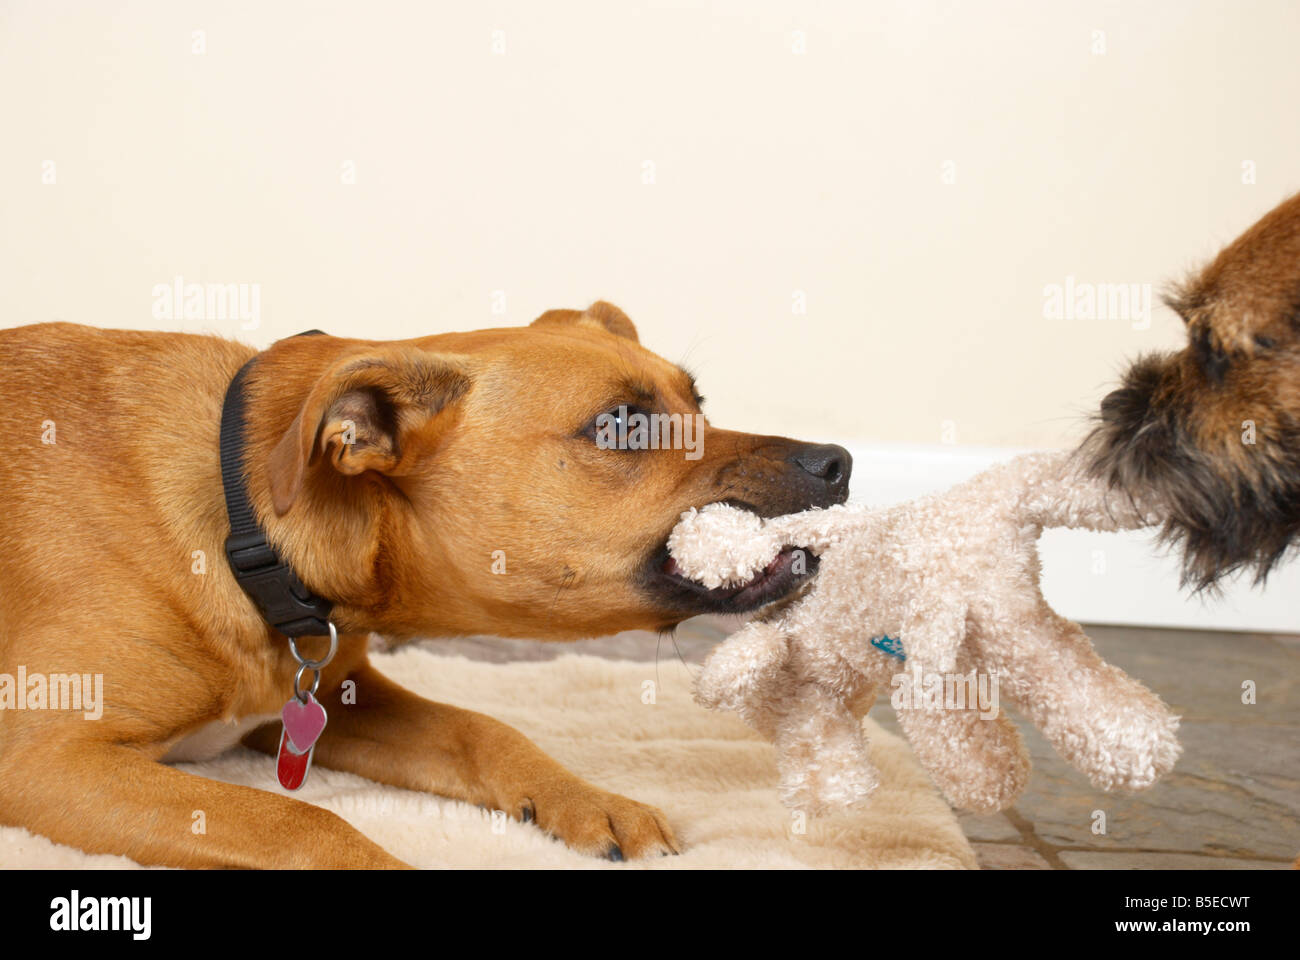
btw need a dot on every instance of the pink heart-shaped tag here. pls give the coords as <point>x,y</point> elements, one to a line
<point>303,722</point>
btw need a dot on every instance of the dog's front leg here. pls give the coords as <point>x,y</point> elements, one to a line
<point>393,736</point>
<point>109,798</point>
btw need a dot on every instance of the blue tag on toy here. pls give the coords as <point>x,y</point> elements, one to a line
<point>889,645</point>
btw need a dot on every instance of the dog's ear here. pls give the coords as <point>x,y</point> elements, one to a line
<point>1248,298</point>
<point>367,413</point>
<point>599,314</point>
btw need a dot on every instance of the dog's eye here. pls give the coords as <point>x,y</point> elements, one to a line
<point>618,429</point>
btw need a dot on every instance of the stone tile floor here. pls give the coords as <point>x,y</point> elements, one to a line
<point>1232,802</point>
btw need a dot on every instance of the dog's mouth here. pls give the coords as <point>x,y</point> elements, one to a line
<point>788,569</point>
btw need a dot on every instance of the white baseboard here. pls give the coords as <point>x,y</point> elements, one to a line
<point>1090,577</point>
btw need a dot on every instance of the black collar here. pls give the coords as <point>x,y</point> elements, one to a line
<point>263,574</point>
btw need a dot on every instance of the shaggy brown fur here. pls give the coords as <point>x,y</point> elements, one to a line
<point>469,448</point>
<point>1213,430</point>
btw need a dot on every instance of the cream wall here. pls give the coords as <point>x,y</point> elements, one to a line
<point>774,172</point>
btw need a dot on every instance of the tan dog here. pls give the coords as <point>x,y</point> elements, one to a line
<point>389,475</point>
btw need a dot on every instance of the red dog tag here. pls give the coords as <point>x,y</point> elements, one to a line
<point>292,767</point>
<point>304,720</point>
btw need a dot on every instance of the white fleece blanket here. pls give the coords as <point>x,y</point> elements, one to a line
<point>713,777</point>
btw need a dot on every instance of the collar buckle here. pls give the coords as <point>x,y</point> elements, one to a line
<point>282,599</point>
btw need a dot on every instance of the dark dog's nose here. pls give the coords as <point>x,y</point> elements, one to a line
<point>830,464</point>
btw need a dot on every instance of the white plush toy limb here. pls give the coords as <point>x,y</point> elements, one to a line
<point>748,676</point>
<point>1108,725</point>
<point>822,756</point>
<point>821,753</point>
<point>954,578</point>
<point>979,762</point>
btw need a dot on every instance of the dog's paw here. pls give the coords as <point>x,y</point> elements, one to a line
<point>597,822</point>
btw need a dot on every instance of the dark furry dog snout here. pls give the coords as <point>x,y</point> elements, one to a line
<point>1126,409</point>
<point>1138,438</point>
<point>1228,484</point>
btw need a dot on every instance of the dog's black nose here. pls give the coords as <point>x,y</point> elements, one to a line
<point>829,463</point>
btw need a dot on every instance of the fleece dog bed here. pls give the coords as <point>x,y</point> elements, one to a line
<point>713,777</point>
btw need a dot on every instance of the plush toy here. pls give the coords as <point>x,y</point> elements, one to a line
<point>938,597</point>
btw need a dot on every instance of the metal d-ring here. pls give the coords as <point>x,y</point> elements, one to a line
<point>317,664</point>
<point>297,683</point>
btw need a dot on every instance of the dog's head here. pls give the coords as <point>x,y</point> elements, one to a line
<point>516,481</point>
<point>1213,430</point>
